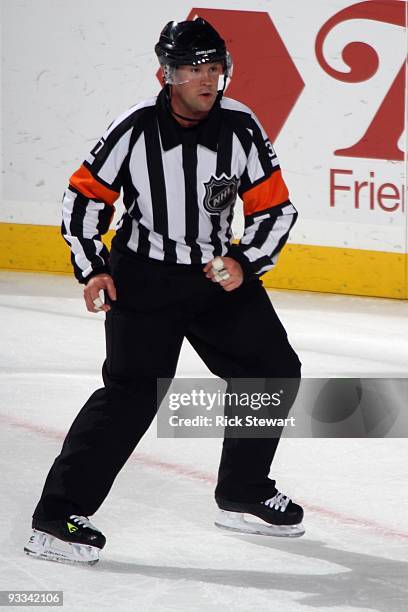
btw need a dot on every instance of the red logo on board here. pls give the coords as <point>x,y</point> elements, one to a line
<point>380,140</point>
<point>267,80</point>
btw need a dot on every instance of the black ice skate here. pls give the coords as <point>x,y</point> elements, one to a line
<point>70,540</point>
<point>279,516</point>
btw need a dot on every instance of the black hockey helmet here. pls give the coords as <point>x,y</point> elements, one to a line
<point>193,43</point>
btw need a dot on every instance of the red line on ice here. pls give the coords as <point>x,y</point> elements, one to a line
<point>194,474</point>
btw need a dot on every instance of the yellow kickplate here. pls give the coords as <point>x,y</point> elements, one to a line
<point>338,270</point>
<point>41,248</point>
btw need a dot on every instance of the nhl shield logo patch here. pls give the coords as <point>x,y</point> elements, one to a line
<point>220,193</point>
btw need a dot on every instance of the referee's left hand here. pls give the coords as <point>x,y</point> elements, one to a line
<point>234,270</point>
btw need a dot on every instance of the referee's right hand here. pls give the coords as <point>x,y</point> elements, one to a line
<point>100,282</point>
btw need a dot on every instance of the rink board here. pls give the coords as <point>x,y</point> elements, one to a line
<point>333,101</point>
<point>304,267</point>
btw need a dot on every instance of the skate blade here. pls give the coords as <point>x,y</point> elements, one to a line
<point>45,546</point>
<point>235,521</point>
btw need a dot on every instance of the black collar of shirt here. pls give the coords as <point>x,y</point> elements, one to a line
<point>171,131</point>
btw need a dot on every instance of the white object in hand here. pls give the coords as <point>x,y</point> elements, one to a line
<point>217,264</point>
<point>98,303</point>
<point>221,275</point>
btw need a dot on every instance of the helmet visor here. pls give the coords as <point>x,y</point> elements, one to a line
<point>212,70</point>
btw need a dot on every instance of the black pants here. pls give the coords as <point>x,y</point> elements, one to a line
<point>237,334</point>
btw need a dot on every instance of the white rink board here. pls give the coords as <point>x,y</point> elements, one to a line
<point>81,64</point>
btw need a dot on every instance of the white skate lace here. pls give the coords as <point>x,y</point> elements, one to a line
<point>83,521</point>
<point>278,502</point>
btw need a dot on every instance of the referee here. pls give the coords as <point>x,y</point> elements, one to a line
<point>180,159</point>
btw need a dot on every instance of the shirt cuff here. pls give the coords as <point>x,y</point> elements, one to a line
<point>101,270</point>
<point>236,253</point>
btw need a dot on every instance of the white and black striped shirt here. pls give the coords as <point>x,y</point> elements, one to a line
<point>179,189</point>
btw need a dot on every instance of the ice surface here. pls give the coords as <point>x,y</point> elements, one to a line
<point>163,553</point>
